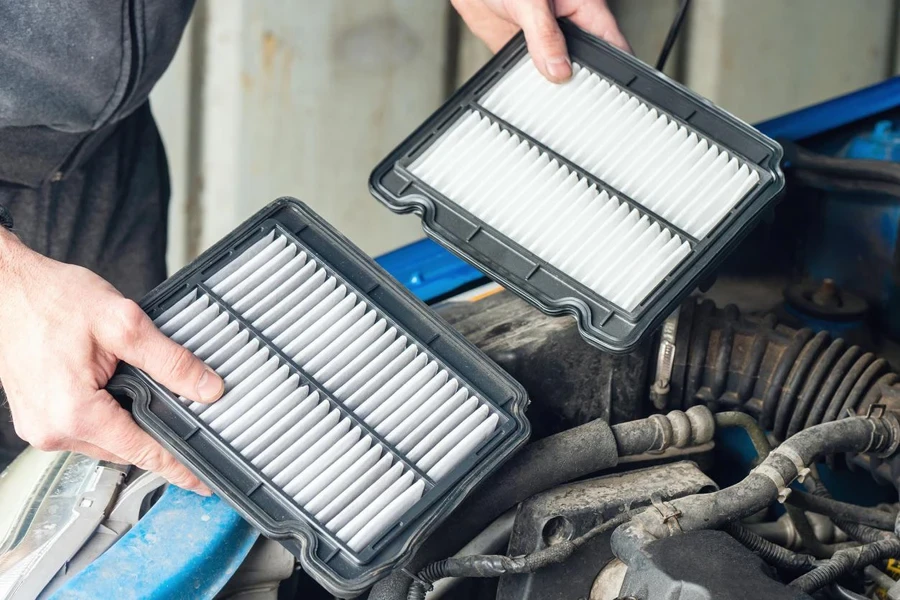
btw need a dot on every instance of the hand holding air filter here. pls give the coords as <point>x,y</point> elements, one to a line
<point>353,419</point>
<point>608,196</point>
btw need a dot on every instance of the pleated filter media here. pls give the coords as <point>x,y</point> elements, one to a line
<point>342,407</point>
<point>609,196</point>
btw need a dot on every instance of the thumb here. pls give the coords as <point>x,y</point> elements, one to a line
<point>546,42</point>
<point>142,345</point>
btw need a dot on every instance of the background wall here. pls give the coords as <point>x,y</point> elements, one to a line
<point>303,98</point>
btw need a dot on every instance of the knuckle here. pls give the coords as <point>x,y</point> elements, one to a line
<point>182,478</point>
<point>70,420</point>
<point>129,321</point>
<point>181,363</point>
<point>548,33</point>
<point>22,430</point>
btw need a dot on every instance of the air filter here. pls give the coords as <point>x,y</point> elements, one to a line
<point>608,197</point>
<point>353,419</point>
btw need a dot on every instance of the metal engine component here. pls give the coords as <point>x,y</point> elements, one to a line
<point>568,511</point>
<point>703,565</point>
<point>784,532</point>
<point>54,505</point>
<point>569,381</point>
<point>266,566</point>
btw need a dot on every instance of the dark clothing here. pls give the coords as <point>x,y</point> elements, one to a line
<point>82,168</point>
<point>107,214</point>
<point>71,70</point>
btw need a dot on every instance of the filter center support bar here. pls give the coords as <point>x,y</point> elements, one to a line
<point>308,380</point>
<point>572,167</point>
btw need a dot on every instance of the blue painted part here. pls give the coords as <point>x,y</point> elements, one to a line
<point>835,113</point>
<point>840,329</point>
<point>869,225</point>
<point>186,547</point>
<point>428,270</point>
<point>151,561</point>
<point>882,144</point>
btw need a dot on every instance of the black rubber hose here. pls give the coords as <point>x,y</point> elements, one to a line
<point>846,561</point>
<point>788,379</point>
<point>656,433</point>
<point>773,554</point>
<point>541,465</point>
<point>835,509</point>
<point>833,167</point>
<point>763,485</point>
<point>744,421</point>
<point>862,533</point>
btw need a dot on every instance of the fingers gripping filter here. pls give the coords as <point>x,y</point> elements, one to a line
<point>609,196</point>
<point>353,419</point>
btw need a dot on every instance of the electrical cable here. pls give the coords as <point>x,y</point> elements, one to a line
<point>497,565</point>
<point>672,35</point>
<point>847,561</point>
<point>873,517</point>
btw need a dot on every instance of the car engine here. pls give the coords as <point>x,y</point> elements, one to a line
<point>748,450</point>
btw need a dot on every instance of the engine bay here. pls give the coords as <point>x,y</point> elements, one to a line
<point>751,442</point>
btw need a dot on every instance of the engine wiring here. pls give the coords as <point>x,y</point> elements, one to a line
<point>672,35</point>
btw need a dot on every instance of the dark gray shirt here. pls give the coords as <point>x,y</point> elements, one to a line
<point>69,68</point>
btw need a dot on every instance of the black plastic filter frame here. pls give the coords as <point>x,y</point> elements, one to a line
<point>602,323</point>
<point>339,569</point>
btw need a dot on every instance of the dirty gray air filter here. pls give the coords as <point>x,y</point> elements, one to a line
<point>353,419</point>
<point>608,197</point>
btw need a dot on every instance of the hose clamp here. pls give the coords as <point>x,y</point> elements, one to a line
<point>665,361</point>
<point>774,475</point>
<point>792,455</point>
<point>668,513</point>
<point>886,436</point>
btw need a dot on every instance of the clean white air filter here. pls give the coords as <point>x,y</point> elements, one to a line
<point>345,477</point>
<point>353,420</point>
<point>667,168</point>
<point>608,197</point>
<point>520,191</point>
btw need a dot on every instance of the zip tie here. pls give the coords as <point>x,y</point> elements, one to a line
<point>792,455</point>
<point>775,477</point>
<point>415,577</point>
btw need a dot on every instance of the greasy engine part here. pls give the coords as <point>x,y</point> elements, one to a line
<point>825,306</point>
<point>702,565</point>
<point>769,481</point>
<point>542,465</point>
<point>569,382</point>
<point>570,510</point>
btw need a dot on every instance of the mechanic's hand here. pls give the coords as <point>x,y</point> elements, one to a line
<point>496,21</point>
<point>63,330</point>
